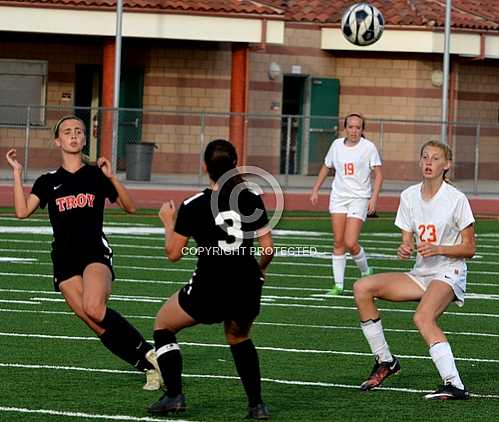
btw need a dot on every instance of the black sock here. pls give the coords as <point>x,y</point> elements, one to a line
<point>169,361</point>
<point>247,365</point>
<point>123,339</point>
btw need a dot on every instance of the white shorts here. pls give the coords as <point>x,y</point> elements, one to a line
<point>352,207</point>
<point>456,281</point>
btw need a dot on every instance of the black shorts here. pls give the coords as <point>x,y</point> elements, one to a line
<point>209,300</point>
<point>66,266</point>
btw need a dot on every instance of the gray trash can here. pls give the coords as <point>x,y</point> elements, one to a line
<point>139,161</point>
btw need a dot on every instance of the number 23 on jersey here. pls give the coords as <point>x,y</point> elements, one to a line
<point>427,233</point>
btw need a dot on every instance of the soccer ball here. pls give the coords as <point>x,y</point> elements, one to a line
<point>362,24</point>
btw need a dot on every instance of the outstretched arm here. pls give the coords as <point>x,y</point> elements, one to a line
<point>24,207</point>
<point>125,200</point>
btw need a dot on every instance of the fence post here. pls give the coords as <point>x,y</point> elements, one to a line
<point>201,144</point>
<point>288,151</point>
<point>477,159</point>
<point>26,143</point>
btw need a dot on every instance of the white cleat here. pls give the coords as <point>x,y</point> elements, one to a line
<point>154,381</point>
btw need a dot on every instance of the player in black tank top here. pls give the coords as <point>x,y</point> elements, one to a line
<point>82,259</point>
<point>227,282</point>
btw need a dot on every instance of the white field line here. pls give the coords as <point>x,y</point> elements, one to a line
<point>108,223</point>
<point>230,377</point>
<point>266,348</point>
<point>52,412</point>
<point>138,229</point>
<point>274,264</point>
<point>155,299</point>
<point>294,251</point>
<point>221,377</point>
<point>266,286</point>
<point>272,298</point>
<point>25,302</point>
<point>273,324</point>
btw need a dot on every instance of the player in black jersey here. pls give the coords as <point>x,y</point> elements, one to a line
<point>82,259</point>
<point>227,283</point>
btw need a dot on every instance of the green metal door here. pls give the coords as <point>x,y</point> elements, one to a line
<point>324,101</point>
<point>130,121</point>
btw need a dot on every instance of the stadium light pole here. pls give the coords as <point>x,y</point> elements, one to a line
<point>117,76</point>
<point>445,84</point>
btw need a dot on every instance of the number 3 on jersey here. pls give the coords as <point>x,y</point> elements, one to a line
<point>349,169</point>
<point>233,230</point>
<point>427,233</point>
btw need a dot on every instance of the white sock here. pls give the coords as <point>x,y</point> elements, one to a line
<point>373,331</point>
<point>339,264</point>
<point>443,359</point>
<point>361,261</point>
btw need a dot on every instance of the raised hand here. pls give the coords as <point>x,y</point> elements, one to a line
<point>11,157</point>
<point>105,165</point>
<point>167,213</point>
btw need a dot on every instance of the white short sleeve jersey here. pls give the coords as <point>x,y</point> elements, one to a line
<point>352,165</point>
<point>439,221</point>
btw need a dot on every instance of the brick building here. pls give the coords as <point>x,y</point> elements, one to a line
<point>267,58</point>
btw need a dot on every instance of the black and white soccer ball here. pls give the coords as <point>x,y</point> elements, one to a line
<point>362,24</point>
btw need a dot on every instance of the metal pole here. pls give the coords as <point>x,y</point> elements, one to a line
<point>26,143</point>
<point>477,159</point>
<point>288,151</point>
<point>445,85</point>
<point>117,75</point>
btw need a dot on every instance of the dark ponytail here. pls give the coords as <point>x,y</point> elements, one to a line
<point>220,156</point>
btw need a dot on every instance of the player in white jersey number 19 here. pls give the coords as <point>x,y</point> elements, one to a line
<point>354,160</point>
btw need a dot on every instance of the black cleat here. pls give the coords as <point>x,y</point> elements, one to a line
<point>167,405</point>
<point>379,373</point>
<point>448,392</point>
<point>260,412</point>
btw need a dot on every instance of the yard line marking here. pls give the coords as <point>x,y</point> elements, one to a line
<point>230,377</point>
<point>26,302</point>
<point>52,412</point>
<point>132,280</point>
<point>155,299</point>
<point>267,348</point>
<point>299,305</point>
<point>15,259</point>
<point>357,328</point>
<point>277,324</point>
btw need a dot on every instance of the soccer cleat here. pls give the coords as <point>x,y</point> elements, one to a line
<point>448,392</point>
<point>379,373</point>
<point>151,358</point>
<point>260,412</point>
<point>370,271</point>
<point>335,291</point>
<point>153,380</point>
<point>167,405</point>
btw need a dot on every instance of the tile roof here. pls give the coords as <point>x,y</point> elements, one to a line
<point>466,14</point>
<point>469,14</point>
<point>199,6</point>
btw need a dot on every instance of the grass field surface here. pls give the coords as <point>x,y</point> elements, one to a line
<point>313,355</point>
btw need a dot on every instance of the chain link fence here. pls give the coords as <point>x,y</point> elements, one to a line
<point>290,147</point>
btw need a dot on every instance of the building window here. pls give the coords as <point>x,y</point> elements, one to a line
<point>22,84</point>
